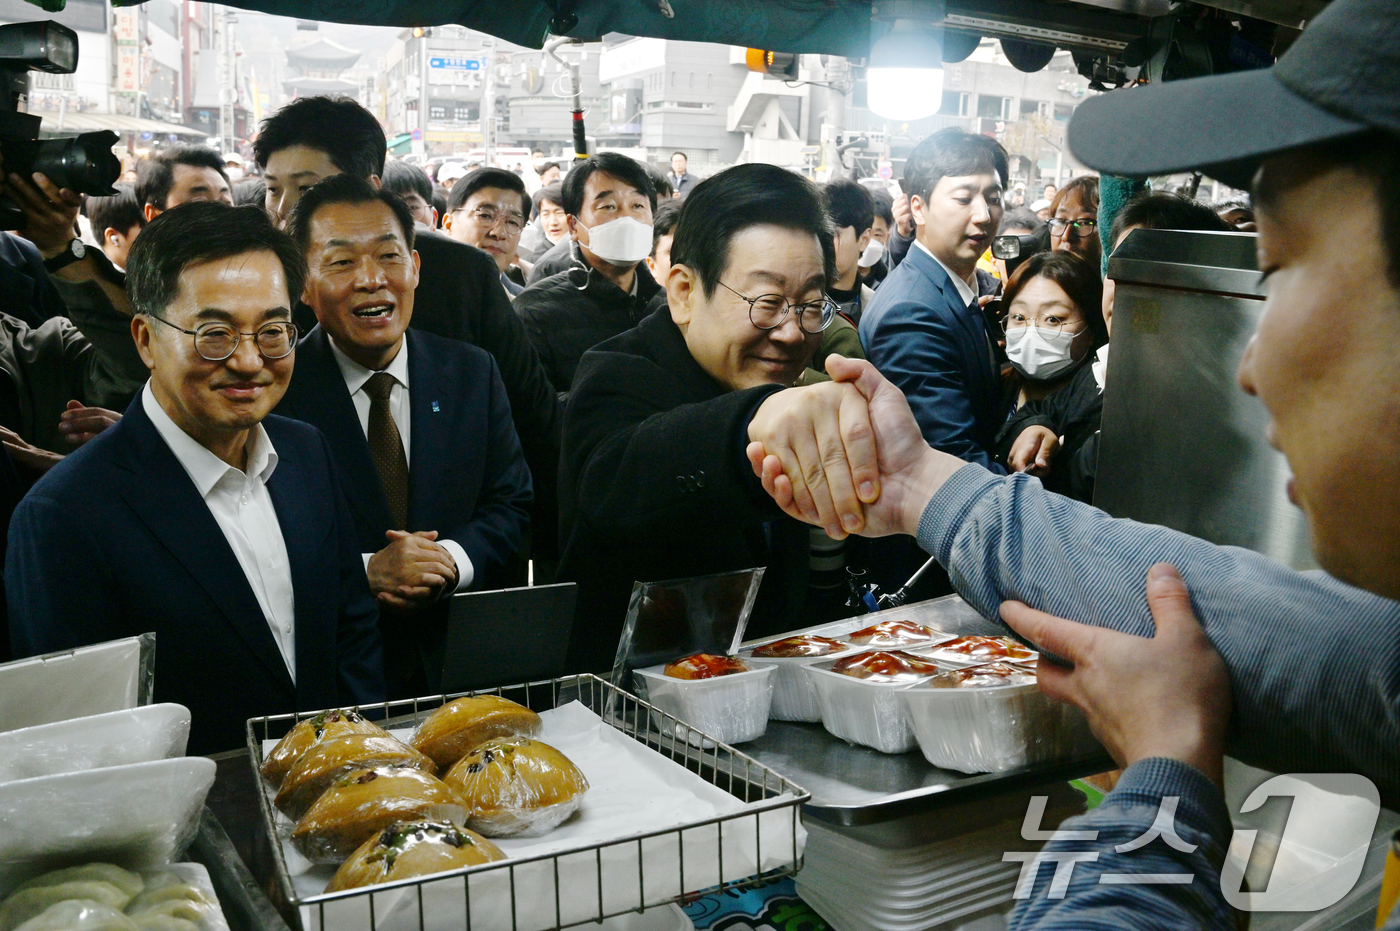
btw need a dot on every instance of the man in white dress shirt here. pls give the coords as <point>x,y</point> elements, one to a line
<point>199,516</point>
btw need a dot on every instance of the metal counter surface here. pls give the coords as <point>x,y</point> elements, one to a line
<point>853,785</point>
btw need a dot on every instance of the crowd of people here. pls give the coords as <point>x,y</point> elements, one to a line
<point>282,433</point>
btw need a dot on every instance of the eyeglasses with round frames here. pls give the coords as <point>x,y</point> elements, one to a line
<point>768,311</point>
<point>514,222</point>
<point>216,342</point>
<point>1016,320</point>
<point>1081,228</point>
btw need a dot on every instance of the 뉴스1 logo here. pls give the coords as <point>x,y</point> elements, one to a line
<point>1335,812</point>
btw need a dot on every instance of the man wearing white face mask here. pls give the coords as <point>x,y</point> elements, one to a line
<point>609,200</point>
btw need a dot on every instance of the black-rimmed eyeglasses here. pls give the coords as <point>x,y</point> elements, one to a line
<point>768,311</point>
<point>1081,228</point>
<point>216,342</point>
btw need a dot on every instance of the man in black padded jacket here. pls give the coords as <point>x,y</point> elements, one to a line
<point>654,484</point>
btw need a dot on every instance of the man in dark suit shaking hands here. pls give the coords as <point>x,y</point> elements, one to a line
<point>199,516</point>
<point>419,424</point>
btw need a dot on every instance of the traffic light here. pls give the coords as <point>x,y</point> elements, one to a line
<point>778,64</point>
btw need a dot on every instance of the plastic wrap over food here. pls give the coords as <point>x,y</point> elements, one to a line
<point>863,711</point>
<point>902,633</point>
<point>138,815</point>
<point>731,709</point>
<point>975,651</point>
<point>318,766</point>
<point>978,726</point>
<point>135,735</point>
<point>362,802</point>
<point>327,725</point>
<point>105,896</point>
<point>77,683</point>
<point>794,695</point>
<point>455,729</point>
<point>408,849</point>
<point>517,786</point>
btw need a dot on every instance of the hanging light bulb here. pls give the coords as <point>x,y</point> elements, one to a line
<point>905,78</point>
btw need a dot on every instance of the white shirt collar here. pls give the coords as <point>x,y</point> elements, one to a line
<point>356,374</point>
<point>203,467</point>
<point>964,289</point>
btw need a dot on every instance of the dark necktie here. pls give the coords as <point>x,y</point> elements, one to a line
<point>386,448</point>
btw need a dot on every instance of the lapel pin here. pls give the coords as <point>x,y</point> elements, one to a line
<point>436,408</point>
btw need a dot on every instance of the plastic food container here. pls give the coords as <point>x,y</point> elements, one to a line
<point>863,711</point>
<point>991,728</point>
<point>117,738</point>
<point>794,695</point>
<point>731,709</point>
<point>896,635</point>
<point>1014,652</point>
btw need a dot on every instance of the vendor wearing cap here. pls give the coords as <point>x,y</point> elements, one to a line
<point>1288,671</point>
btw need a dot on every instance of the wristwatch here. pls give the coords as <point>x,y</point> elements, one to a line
<point>73,252</point>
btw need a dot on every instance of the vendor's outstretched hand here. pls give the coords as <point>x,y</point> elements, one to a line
<point>907,473</point>
<point>1168,696</point>
<point>822,438</point>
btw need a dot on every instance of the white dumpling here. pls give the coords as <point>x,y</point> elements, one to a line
<point>79,915</point>
<point>167,887</point>
<point>175,908</point>
<point>151,921</point>
<point>27,903</point>
<point>125,880</point>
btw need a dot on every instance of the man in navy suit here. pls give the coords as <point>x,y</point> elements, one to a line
<point>420,425</point>
<point>199,516</point>
<point>925,330</point>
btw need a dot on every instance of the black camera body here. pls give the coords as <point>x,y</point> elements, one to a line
<point>83,163</point>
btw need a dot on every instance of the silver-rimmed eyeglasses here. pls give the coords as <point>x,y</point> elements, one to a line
<point>216,342</point>
<point>768,311</point>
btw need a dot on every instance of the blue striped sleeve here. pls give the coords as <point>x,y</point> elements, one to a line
<point>1107,892</point>
<point>1314,663</point>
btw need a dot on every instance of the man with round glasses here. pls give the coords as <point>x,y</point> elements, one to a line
<point>199,516</point>
<point>653,480</point>
<point>488,209</point>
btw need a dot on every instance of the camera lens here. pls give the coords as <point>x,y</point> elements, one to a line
<point>84,163</point>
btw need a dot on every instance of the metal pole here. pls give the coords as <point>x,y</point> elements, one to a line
<point>580,137</point>
<point>488,106</point>
<point>423,90</point>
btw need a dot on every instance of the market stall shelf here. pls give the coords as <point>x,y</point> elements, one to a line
<point>670,812</point>
<point>855,785</point>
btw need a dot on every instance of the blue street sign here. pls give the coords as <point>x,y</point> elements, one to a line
<point>456,64</point>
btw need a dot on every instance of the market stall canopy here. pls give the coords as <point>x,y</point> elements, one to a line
<point>838,27</point>
<point>78,122</point>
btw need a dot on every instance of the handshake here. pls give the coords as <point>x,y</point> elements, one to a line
<point>847,455</point>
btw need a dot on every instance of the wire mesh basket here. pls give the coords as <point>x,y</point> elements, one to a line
<point>757,838</point>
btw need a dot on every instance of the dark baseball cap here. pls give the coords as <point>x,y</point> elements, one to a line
<point>1340,78</point>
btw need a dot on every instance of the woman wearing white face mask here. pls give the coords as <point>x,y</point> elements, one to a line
<point>1054,323</point>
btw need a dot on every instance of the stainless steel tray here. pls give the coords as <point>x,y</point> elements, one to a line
<point>853,785</point>
<point>766,795</point>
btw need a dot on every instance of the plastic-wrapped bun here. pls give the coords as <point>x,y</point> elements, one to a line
<point>450,733</point>
<point>361,803</point>
<point>125,880</point>
<point>79,915</point>
<point>325,726</point>
<point>313,773</point>
<point>153,921</point>
<point>413,848</point>
<point>33,901</point>
<point>517,787</point>
<point>167,887</point>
